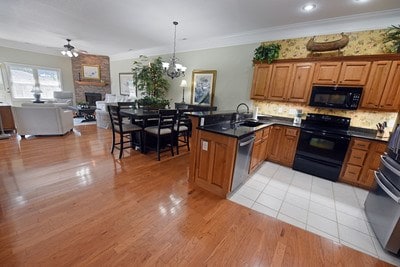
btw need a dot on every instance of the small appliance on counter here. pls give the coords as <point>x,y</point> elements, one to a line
<point>382,205</point>
<point>297,117</point>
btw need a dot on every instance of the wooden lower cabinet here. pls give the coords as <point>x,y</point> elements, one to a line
<point>215,160</point>
<point>7,118</point>
<point>362,159</point>
<point>283,147</point>
<point>259,151</point>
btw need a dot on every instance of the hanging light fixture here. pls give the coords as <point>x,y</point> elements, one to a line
<point>69,50</point>
<point>172,68</point>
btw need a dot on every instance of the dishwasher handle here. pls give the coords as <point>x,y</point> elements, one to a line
<point>246,141</point>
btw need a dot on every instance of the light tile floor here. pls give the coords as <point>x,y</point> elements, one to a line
<point>332,210</point>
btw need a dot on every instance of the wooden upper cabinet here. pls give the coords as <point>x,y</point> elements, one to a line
<point>373,91</point>
<point>301,82</point>
<point>381,91</point>
<point>327,72</point>
<point>354,72</point>
<point>344,73</point>
<point>391,96</point>
<point>261,79</point>
<point>280,80</point>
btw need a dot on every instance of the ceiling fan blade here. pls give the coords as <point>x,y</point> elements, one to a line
<point>80,51</point>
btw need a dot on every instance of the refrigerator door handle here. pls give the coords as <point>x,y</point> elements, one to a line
<point>385,161</point>
<point>378,178</point>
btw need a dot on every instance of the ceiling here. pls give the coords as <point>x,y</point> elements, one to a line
<point>128,28</point>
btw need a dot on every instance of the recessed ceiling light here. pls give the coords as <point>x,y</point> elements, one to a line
<point>309,7</point>
<point>361,1</point>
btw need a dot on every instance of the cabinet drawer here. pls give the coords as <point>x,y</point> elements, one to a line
<point>357,157</point>
<point>291,132</point>
<point>352,172</point>
<point>361,144</point>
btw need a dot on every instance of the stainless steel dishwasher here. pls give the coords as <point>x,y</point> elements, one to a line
<point>242,162</point>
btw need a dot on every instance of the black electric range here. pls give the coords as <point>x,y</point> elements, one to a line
<point>322,145</point>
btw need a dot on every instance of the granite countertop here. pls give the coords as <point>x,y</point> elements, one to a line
<point>238,131</point>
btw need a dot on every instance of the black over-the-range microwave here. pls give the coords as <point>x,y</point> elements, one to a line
<point>340,97</point>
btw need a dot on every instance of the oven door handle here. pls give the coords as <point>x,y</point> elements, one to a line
<point>378,178</point>
<point>326,134</point>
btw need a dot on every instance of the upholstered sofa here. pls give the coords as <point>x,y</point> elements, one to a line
<point>42,119</point>
<point>102,116</point>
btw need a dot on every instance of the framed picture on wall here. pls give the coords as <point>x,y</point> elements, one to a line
<point>203,87</point>
<point>91,72</point>
<point>126,86</point>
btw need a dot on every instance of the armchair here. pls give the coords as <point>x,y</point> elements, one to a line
<point>63,99</point>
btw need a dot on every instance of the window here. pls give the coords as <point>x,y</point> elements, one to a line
<point>24,77</point>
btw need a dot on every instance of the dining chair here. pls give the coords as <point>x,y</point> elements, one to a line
<point>182,130</point>
<point>125,130</point>
<point>163,131</point>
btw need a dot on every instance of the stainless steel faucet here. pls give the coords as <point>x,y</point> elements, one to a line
<point>242,104</point>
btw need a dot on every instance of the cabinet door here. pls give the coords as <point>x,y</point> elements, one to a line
<point>367,178</point>
<point>273,149</point>
<point>215,161</point>
<point>327,72</point>
<point>7,118</point>
<point>289,144</point>
<point>254,156</point>
<point>373,91</point>
<point>391,97</point>
<point>280,80</point>
<point>354,73</point>
<point>256,151</point>
<point>301,82</point>
<point>261,78</point>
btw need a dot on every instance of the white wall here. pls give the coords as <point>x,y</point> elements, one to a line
<point>234,74</point>
<point>31,58</point>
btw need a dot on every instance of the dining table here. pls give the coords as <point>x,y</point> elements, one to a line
<point>144,118</point>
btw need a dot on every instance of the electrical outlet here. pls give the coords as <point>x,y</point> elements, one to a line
<point>280,110</point>
<point>292,111</point>
<point>204,145</point>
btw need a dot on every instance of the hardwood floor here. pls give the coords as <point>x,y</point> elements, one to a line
<point>67,201</point>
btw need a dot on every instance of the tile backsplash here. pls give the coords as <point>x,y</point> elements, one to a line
<point>359,118</point>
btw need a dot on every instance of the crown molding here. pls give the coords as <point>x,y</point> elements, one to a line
<point>353,23</point>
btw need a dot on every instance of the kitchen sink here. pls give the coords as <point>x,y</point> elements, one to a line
<point>251,123</point>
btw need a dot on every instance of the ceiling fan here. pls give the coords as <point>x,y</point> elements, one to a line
<point>71,51</point>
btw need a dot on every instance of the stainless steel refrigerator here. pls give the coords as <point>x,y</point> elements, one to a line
<point>382,205</point>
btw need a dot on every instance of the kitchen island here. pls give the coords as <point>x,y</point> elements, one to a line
<point>215,143</point>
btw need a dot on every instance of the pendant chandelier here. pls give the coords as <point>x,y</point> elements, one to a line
<point>172,68</point>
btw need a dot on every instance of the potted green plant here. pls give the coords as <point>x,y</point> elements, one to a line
<point>393,36</point>
<point>150,80</point>
<point>267,53</point>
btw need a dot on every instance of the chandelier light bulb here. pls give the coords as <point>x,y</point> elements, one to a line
<point>69,53</point>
